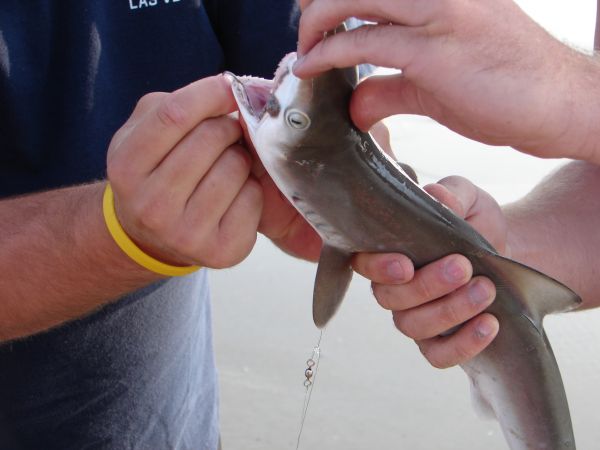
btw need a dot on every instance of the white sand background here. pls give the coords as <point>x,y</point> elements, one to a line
<point>373,389</point>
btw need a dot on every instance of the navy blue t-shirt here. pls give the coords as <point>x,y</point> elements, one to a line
<point>140,372</point>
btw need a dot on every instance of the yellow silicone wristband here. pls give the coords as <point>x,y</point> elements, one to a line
<point>128,246</point>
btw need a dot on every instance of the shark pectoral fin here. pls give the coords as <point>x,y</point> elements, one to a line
<point>539,293</point>
<point>333,277</point>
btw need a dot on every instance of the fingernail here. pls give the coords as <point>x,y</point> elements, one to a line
<point>483,330</point>
<point>395,270</point>
<point>478,294</point>
<point>298,63</point>
<point>453,271</point>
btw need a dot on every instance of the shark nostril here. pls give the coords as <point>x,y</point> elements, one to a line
<point>273,108</point>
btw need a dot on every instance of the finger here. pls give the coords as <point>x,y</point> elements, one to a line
<point>461,190</point>
<point>238,227</point>
<point>171,118</point>
<point>479,208</point>
<point>429,283</point>
<point>442,194</point>
<point>278,213</point>
<point>193,157</point>
<point>304,3</point>
<point>383,96</point>
<point>470,340</point>
<point>381,134</point>
<point>218,189</point>
<point>381,45</point>
<point>324,15</point>
<point>434,318</point>
<point>384,268</point>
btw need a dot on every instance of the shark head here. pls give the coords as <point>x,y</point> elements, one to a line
<point>287,115</point>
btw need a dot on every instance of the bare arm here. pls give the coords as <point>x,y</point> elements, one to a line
<point>555,229</point>
<point>58,261</point>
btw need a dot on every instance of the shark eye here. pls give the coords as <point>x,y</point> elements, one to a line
<point>297,119</point>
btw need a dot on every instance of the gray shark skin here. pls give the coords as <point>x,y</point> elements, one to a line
<point>359,200</point>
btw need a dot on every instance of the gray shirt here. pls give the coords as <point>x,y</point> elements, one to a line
<point>138,374</point>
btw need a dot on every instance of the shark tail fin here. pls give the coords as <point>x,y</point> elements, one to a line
<point>539,293</point>
<point>333,278</point>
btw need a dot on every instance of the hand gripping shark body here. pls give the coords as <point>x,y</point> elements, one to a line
<point>359,200</point>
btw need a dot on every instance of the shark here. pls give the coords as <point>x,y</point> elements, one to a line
<point>359,199</point>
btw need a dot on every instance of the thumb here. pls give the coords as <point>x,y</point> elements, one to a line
<point>379,97</point>
<point>303,4</point>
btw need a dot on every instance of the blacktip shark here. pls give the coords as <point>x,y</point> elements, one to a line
<point>359,200</point>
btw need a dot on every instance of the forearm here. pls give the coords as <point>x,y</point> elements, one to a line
<point>579,137</point>
<point>555,229</point>
<point>58,261</point>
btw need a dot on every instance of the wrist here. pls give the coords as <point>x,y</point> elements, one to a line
<point>107,252</point>
<point>131,248</point>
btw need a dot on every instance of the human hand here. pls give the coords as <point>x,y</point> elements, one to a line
<point>437,298</point>
<point>181,179</point>
<point>484,69</point>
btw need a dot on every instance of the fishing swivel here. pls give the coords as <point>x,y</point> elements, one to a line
<point>308,373</point>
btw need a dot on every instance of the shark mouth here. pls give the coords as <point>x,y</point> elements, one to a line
<point>255,96</point>
<point>251,94</point>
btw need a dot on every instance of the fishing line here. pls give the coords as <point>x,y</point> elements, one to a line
<point>310,375</point>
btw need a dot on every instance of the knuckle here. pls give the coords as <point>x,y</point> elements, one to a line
<point>170,113</point>
<point>434,357</point>
<point>423,288</point>
<point>233,251</point>
<point>449,315</point>
<point>379,292</point>
<point>238,161</point>
<point>387,298</point>
<point>461,351</point>
<point>148,101</point>
<point>438,362</point>
<point>365,264</point>
<point>150,214</point>
<point>218,132</point>
<point>405,325</point>
<point>364,36</point>
<point>120,175</point>
<point>360,35</point>
<point>182,242</point>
